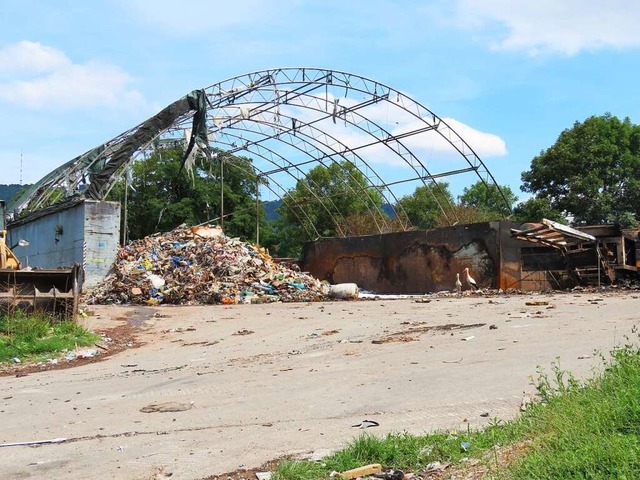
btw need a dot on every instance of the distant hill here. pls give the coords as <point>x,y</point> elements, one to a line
<point>271,208</point>
<point>8,192</point>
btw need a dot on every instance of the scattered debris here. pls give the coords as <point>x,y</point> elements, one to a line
<point>456,361</point>
<point>366,424</point>
<point>418,328</point>
<point>330,332</point>
<point>493,327</point>
<point>344,291</point>
<point>584,357</point>
<point>536,303</point>
<point>243,332</point>
<point>436,467</point>
<point>527,400</point>
<point>484,414</point>
<point>466,339</point>
<point>393,474</point>
<point>35,442</point>
<point>394,338</point>
<point>167,407</point>
<point>423,300</point>
<point>362,471</point>
<point>263,475</point>
<point>187,268</point>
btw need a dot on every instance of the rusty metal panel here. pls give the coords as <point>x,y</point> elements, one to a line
<point>509,273</point>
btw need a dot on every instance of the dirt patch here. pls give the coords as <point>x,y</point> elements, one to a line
<point>247,473</point>
<point>413,333</point>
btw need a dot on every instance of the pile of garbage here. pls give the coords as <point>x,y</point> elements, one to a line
<point>200,265</point>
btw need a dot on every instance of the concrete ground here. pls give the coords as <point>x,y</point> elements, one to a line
<point>256,382</point>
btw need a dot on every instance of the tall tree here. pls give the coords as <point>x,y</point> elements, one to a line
<point>424,206</point>
<point>164,194</point>
<point>487,197</point>
<point>591,172</point>
<point>323,202</point>
<point>535,209</point>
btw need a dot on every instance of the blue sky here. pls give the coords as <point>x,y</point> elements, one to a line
<point>75,74</point>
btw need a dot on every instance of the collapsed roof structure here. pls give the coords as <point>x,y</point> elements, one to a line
<point>286,120</point>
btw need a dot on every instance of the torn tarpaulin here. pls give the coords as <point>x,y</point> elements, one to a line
<point>191,267</point>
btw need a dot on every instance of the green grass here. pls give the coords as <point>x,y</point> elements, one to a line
<point>578,430</point>
<point>294,470</point>
<point>30,337</point>
<point>591,430</point>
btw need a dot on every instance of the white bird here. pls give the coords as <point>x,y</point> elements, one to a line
<point>458,284</point>
<point>470,281</point>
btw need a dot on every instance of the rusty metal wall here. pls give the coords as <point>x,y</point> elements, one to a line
<point>421,261</point>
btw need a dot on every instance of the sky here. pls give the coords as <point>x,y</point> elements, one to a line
<point>508,75</point>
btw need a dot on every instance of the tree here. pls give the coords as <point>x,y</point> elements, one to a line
<point>424,207</point>
<point>324,202</point>
<point>535,209</point>
<point>591,172</point>
<point>164,194</point>
<point>487,197</point>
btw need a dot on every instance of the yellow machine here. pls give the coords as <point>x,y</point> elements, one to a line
<point>25,289</point>
<point>7,258</point>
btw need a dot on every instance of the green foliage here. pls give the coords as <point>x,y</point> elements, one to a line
<point>298,470</point>
<point>322,202</point>
<point>592,172</point>
<point>29,336</point>
<point>11,192</point>
<point>164,195</point>
<point>535,209</point>
<point>424,206</point>
<point>488,198</point>
<point>589,430</point>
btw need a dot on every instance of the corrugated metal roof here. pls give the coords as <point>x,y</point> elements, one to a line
<point>552,234</point>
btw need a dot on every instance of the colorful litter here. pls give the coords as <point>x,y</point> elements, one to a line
<point>200,265</point>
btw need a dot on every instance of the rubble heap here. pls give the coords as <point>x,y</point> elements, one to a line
<point>200,265</point>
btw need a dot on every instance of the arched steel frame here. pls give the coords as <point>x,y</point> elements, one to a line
<point>260,113</point>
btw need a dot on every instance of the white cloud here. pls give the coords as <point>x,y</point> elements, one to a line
<point>31,57</point>
<point>430,147</point>
<point>552,26</point>
<point>43,77</point>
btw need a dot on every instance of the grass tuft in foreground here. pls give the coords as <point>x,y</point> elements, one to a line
<point>295,470</point>
<point>589,430</point>
<point>578,430</point>
<point>36,336</point>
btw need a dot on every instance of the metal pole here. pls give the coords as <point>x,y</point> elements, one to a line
<point>598,259</point>
<point>125,220</point>
<point>222,194</point>
<point>257,209</point>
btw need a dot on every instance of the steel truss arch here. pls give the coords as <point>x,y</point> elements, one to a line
<point>286,120</point>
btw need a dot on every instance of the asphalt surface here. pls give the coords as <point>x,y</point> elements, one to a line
<point>251,383</point>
